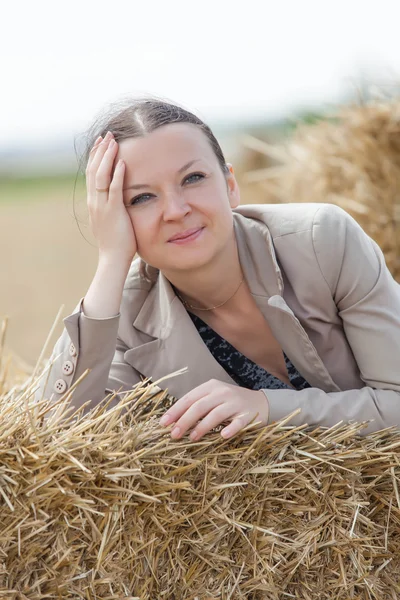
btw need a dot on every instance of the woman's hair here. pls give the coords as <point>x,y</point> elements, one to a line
<point>138,117</point>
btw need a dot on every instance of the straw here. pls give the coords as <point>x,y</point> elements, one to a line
<point>107,505</point>
<point>351,159</point>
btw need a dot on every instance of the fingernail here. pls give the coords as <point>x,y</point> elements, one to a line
<point>165,420</point>
<point>108,135</point>
<point>176,432</point>
<point>194,435</point>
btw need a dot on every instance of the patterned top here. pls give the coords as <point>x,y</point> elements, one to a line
<point>244,371</point>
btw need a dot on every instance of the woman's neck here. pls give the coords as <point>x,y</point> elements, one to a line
<point>212,285</point>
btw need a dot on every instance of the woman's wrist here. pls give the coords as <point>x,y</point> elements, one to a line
<point>103,299</point>
<point>114,260</point>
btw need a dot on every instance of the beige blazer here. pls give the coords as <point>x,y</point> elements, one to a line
<point>321,283</point>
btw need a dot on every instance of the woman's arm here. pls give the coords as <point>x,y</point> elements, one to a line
<point>90,338</point>
<point>368,302</point>
<point>90,341</point>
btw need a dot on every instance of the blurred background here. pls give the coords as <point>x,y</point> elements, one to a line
<point>255,70</point>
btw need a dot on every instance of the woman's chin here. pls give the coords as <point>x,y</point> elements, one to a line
<point>188,263</point>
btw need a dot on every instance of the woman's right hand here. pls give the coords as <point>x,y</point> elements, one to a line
<point>108,216</point>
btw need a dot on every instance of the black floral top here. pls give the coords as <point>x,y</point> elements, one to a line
<point>244,371</point>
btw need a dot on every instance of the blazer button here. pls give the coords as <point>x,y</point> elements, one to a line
<point>67,368</point>
<point>60,386</point>
<point>72,350</point>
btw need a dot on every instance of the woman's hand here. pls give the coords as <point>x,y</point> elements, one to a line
<point>215,402</point>
<point>108,216</point>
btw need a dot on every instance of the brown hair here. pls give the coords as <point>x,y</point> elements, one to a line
<point>138,117</point>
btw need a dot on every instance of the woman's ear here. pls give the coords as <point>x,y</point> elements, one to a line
<point>233,187</point>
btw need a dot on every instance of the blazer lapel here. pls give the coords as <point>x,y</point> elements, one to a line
<point>176,344</point>
<point>295,342</point>
<point>264,277</point>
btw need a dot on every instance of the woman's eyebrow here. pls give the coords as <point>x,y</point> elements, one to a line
<point>138,186</point>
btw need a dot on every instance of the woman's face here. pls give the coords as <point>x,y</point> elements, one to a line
<point>182,190</point>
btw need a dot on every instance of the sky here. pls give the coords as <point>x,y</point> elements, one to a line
<point>62,62</point>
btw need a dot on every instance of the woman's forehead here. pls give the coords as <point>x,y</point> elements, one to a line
<point>174,143</point>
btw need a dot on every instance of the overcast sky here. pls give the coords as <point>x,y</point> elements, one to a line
<point>61,62</point>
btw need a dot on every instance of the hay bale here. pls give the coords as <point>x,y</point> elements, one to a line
<point>106,505</point>
<point>351,159</point>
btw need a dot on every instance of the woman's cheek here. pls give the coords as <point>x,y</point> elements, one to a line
<point>146,236</point>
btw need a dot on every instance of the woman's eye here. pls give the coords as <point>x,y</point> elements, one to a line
<point>194,177</point>
<point>139,199</point>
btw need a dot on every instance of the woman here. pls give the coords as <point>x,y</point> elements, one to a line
<point>268,308</point>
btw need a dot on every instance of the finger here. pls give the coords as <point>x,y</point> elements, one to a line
<point>92,169</point>
<point>93,165</point>
<point>95,146</point>
<point>181,405</point>
<point>93,152</point>
<point>117,183</point>
<point>104,171</point>
<point>238,422</point>
<point>179,408</point>
<point>214,418</point>
<point>196,412</point>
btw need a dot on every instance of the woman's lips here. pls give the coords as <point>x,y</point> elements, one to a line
<point>190,238</point>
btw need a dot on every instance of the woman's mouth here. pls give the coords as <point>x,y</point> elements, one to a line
<point>186,236</point>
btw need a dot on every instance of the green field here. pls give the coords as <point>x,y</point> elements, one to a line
<point>40,187</point>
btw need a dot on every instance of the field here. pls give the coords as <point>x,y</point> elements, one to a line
<point>44,260</point>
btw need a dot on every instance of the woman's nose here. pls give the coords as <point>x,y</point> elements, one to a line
<point>175,207</point>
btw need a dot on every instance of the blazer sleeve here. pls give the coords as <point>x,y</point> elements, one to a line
<point>88,343</point>
<point>368,302</point>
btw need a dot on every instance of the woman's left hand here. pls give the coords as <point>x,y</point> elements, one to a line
<point>215,402</point>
